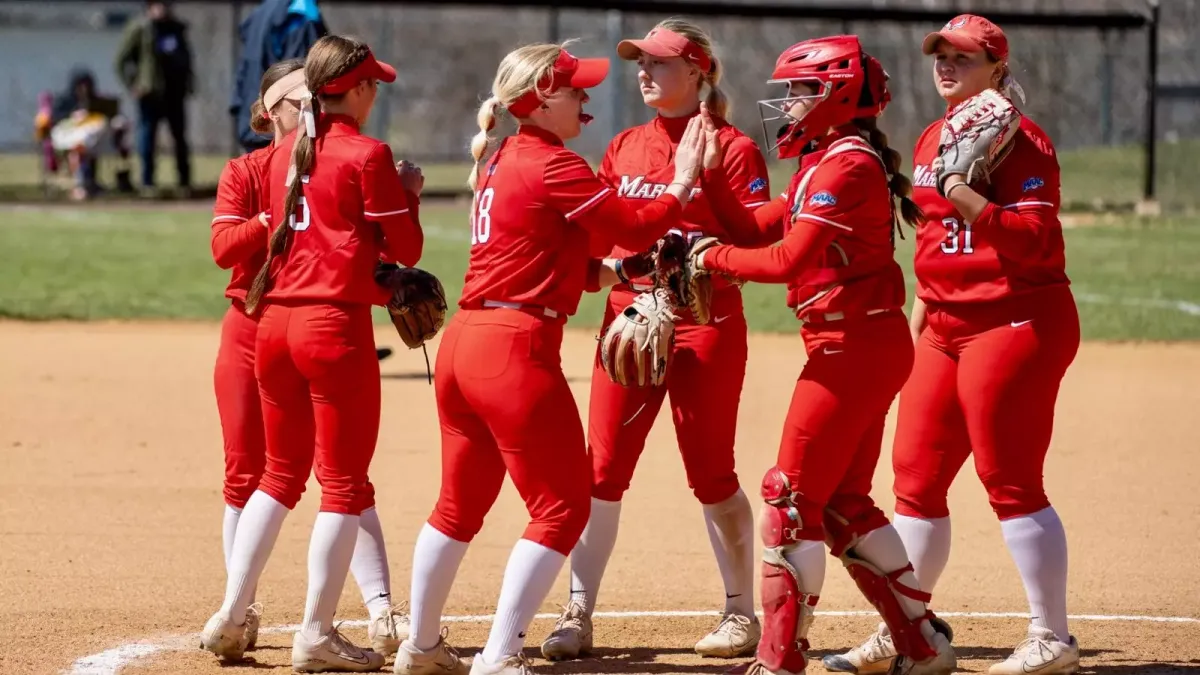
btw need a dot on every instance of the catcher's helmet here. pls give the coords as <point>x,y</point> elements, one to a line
<point>849,82</point>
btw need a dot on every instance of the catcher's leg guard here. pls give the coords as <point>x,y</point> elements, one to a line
<point>883,590</point>
<point>787,612</point>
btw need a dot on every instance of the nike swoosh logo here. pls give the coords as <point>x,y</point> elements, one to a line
<point>1018,324</point>
<point>360,660</point>
<point>719,319</point>
<point>835,351</point>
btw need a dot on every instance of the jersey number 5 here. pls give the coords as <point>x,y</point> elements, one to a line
<point>955,232</point>
<point>300,224</point>
<point>481,216</point>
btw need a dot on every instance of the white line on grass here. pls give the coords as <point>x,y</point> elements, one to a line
<point>110,661</point>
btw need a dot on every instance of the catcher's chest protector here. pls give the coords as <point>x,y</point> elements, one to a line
<point>840,146</point>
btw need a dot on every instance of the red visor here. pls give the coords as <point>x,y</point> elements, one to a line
<point>665,44</point>
<point>369,69</point>
<point>569,71</point>
<point>970,33</point>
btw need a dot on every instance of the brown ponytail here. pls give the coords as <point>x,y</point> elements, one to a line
<point>898,184</point>
<point>329,58</point>
<point>259,122</point>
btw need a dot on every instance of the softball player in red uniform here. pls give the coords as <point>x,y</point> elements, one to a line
<point>996,327</point>
<point>675,63</point>
<point>239,243</point>
<point>844,284</point>
<point>539,216</point>
<point>344,208</point>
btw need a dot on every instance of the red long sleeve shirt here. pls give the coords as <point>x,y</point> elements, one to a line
<point>1016,244</point>
<point>353,212</point>
<point>540,214</point>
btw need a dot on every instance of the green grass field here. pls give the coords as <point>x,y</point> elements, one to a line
<point>1099,178</point>
<point>1135,279</point>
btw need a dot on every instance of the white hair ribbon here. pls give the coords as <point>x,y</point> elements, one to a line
<point>306,114</point>
<point>1010,86</point>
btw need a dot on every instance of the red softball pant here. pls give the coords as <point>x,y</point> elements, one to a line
<point>834,428</point>
<point>986,379</point>
<point>319,383</point>
<point>704,382</point>
<point>504,406</point>
<point>238,406</point>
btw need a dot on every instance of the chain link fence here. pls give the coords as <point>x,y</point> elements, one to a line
<point>1087,87</point>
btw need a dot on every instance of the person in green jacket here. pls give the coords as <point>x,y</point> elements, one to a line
<point>154,61</point>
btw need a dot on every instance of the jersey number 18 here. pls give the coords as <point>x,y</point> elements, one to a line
<point>481,216</point>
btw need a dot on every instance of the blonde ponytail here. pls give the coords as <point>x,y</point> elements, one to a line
<point>481,141</point>
<point>717,102</point>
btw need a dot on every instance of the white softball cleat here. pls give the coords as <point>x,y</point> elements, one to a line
<point>389,629</point>
<point>224,638</point>
<point>572,634</point>
<point>516,664</point>
<point>1040,653</point>
<point>332,652</point>
<point>441,659</point>
<point>870,658</point>
<point>253,619</point>
<point>735,636</point>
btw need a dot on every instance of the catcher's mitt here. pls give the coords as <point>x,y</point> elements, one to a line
<point>976,135</point>
<point>636,349</point>
<point>693,285</point>
<point>417,306</point>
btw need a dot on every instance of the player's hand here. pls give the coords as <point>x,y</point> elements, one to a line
<point>689,156</point>
<point>410,176</point>
<point>714,153</point>
<point>265,219</point>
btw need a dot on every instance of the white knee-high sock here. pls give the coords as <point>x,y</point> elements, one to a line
<point>531,571</point>
<point>927,542</point>
<point>370,564</point>
<point>329,553</point>
<point>730,527</point>
<point>258,528</point>
<point>590,556</point>
<point>1038,544</point>
<point>808,557</point>
<point>436,559</point>
<point>228,531</point>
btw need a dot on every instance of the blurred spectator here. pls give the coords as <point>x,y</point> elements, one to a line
<point>84,125</point>
<point>274,31</point>
<point>155,63</point>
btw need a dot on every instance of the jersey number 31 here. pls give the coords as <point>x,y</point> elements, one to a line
<point>956,232</point>
<point>481,217</point>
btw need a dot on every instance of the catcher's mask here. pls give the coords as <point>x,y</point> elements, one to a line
<point>849,83</point>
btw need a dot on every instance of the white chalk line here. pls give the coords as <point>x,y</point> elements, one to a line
<point>110,661</point>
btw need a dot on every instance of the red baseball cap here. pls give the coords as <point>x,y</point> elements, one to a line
<point>970,33</point>
<point>665,44</point>
<point>368,69</point>
<point>569,71</point>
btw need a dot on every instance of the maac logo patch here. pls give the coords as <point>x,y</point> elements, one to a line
<point>1032,184</point>
<point>757,185</point>
<point>822,198</point>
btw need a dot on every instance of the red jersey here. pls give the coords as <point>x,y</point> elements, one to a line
<point>848,265</point>
<point>640,163</point>
<point>1014,247</point>
<point>540,214</point>
<point>353,211</point>
<point>239,239</point>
